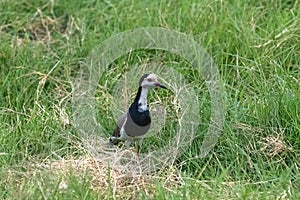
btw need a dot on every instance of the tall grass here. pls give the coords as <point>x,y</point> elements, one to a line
<point>254,44</point>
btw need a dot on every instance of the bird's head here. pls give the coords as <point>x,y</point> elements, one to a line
<point>150,80</point>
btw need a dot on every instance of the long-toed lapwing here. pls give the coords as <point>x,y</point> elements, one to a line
<point>134,123</point>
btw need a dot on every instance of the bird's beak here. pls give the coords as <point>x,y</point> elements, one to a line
<point>160,85</point>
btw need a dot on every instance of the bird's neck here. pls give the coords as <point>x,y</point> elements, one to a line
<point>141,98</point>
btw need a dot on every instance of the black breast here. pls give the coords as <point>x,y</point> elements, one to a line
<point>140,118</point>
<point>138,123</point>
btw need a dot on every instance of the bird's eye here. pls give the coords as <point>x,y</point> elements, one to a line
<point>149,79</point>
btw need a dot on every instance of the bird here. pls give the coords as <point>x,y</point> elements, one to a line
<point>136,121</point>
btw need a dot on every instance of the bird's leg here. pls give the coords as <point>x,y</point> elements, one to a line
<point>127,144</point>
<point>139,148</point>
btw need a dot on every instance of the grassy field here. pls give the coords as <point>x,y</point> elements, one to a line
<point>255,46</point>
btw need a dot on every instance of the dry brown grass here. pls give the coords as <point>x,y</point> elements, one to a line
<point>274,145</point>
<point>104,180</point>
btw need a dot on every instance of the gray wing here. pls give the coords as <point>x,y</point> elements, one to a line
<point>119,125</point>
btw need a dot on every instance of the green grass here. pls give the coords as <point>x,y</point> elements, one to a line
<point>254,44</point>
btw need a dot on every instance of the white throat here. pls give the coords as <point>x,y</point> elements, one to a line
<point>143,99</point>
